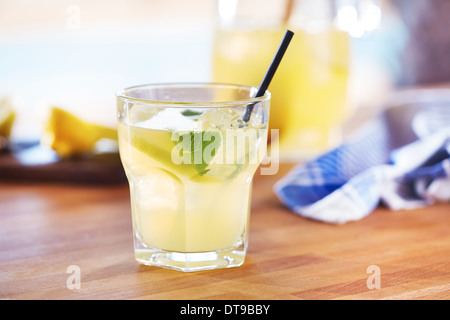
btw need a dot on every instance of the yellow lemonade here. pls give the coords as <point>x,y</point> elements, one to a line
<point>309,88</point>
<point>190,206</point>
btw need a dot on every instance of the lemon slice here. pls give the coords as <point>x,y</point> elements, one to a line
<point>155,148</point>
<point>68,135</point>
<point>157,145</point>
<point>7,117</point>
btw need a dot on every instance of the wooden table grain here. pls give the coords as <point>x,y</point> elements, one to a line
<point>47,229</point>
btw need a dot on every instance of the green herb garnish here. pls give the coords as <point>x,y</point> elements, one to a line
<point>191,113</point>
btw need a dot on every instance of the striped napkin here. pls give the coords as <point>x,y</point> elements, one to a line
<point>401,159</point>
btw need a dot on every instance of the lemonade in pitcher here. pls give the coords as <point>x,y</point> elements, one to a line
<point>309,91</point>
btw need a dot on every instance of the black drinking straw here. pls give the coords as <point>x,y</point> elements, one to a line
<point>270,72</point>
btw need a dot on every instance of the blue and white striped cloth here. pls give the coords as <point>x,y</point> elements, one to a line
<point>401,158</point>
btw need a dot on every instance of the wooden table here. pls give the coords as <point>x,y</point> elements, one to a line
<point>47,228</point>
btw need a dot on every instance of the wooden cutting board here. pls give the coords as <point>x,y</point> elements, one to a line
<point>31,161</point>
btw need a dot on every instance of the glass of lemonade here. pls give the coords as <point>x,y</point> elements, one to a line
<point>309,92</point>
<point>190,159</point>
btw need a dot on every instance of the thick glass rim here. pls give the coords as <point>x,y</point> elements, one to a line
<point>121,94</point>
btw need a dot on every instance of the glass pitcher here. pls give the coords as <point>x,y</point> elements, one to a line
<point>310,88</point>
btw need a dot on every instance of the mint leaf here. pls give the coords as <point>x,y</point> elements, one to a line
<point>200,148</point>
<point>191,113</point>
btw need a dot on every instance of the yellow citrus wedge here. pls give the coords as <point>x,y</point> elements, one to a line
<point>7,117</point>
<point>68,135</point>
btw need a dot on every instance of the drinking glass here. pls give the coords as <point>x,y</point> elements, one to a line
<point>190,159</point>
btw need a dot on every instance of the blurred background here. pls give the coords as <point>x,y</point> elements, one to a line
<point>77,53</point>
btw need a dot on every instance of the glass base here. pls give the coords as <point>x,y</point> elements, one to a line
<point>191,261</point>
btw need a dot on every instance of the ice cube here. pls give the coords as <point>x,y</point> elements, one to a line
<point>140,113</point>
<point>157,187</point>
<point>221,119</point>
<point>158,200</point>
<point>169,119</point>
